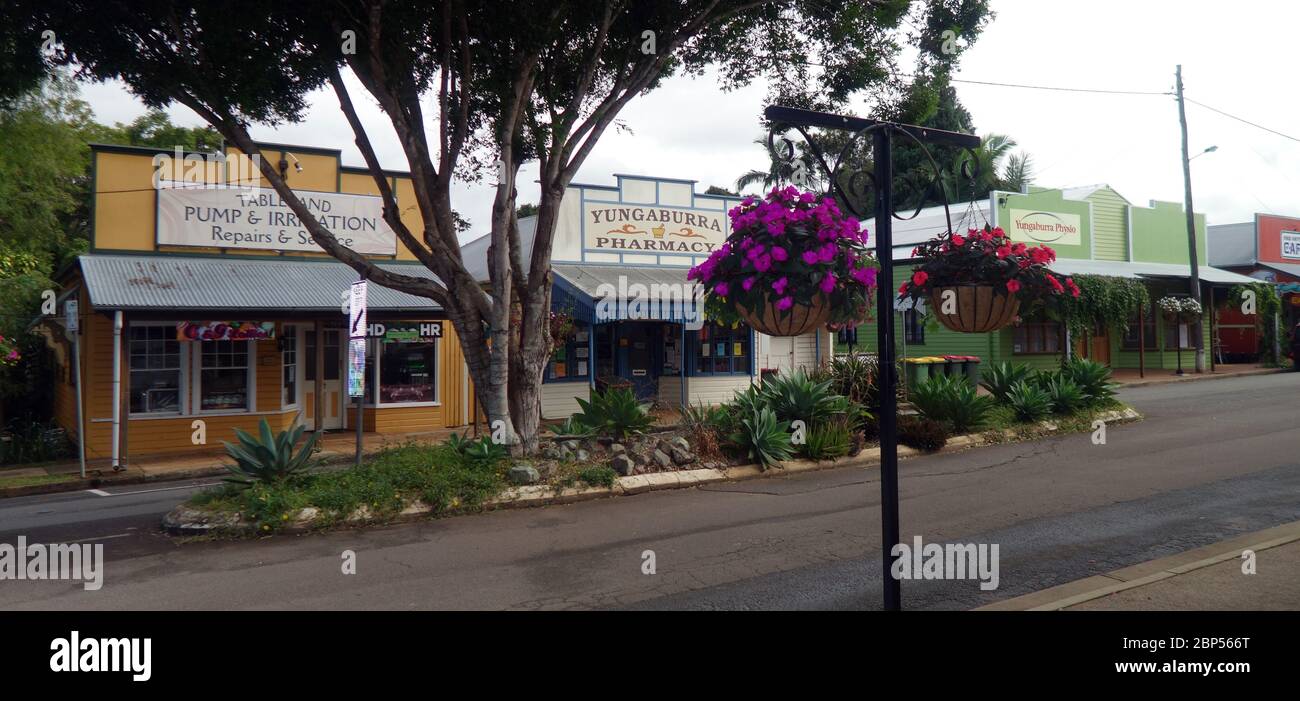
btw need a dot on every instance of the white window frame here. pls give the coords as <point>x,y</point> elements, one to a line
<point>292,331</point>
<point>183,397</point>
<point>250,379</point>
<point>372,385</point>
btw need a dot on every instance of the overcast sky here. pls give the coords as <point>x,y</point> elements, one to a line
<point>1238,57</point>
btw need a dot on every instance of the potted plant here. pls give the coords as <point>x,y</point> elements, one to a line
<point>793,262</point>
<point>978,282</point>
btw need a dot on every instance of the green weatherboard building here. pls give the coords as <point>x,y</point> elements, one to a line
<point>1095,231</point>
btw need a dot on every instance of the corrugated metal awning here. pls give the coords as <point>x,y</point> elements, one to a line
<point>163,282</point>
<point>613,292</point>
<point>1134,269</point>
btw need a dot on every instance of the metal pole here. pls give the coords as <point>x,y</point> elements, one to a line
<point>885,351</point>
<point>361,405</point>
<point>81,421</point>
<point>1142,341</point>
<point>1194,282</point>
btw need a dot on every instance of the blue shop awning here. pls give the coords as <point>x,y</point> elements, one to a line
<point>600,293</point>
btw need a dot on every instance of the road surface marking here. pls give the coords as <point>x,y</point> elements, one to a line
<point>103,493</point>
<point>102,537</point>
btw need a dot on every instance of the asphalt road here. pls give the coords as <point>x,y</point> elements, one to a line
<point>1211,460</point>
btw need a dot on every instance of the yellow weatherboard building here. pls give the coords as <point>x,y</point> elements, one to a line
<point>203,299</point>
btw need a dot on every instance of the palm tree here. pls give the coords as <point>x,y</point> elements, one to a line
<point>990,166</point>
<point>778,172</point>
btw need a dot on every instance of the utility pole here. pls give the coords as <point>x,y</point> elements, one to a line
<point>1195,280</point>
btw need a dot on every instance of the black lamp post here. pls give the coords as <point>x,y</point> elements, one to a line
<point>854,188</point>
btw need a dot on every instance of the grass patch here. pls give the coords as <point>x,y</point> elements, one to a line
<point>1002,419</point>
<point>385,484</point>
<point>33,480</point>
<point>569,475</point>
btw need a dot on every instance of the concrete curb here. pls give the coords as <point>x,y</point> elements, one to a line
<point>1079,591</point>
<point>1193,377</point>
<point>188,521</point>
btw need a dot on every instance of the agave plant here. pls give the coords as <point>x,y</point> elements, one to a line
<point>1029,402</point>
<point>484,450</point>
<point>763,438</point>
<point>854,376</point>
<point>572,426</point>
<point>953,399</point>
<point>797,397</point>
<point>269,457</point>
<point>1093,379</point>
<point>615,413</point>
<point>1065,394</point>
<point>999,378</point>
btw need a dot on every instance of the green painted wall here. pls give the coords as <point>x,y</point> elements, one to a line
<point>1109,225</point>
<point>1160,234</point>
<point>1049,201</point>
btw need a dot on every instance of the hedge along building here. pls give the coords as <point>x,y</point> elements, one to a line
<point>619,262</point>
<point>200,302</point>
<point>1267,249</point>
<point>1094,231</point>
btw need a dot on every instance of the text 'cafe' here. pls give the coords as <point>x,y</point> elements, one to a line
<point>214,304</point>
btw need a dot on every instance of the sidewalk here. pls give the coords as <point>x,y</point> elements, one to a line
<point>1208,578</point>
<point>1129,377</point>
<point>207,461</point>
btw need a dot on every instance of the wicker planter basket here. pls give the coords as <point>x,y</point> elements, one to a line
<point>795,321</point>
<point>979,309</point>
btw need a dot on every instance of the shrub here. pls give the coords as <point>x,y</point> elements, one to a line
<point>271,457</point>
<point>921,433</point>
<point>762,438</point>
<point>828,440</point>
<point>479,449</point>
<point>1066,396</point>
<point>615,413</point>
<point>602,476</point>
<point>854,375</point>
<point>34,441</point>
<point>999,378</point>
<point>951,398</point>
<point>1093,379</point>
<point>1029,402</point>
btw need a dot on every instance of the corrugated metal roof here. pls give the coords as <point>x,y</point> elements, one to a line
<point>589,277</point>
<point>1288,268</point>
<point>197,282</point>
<point>474,253</point>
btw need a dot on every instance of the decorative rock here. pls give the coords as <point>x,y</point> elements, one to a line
<point>523,474</point>
<point>572,445</point>
<point>682,443</point>
<point>665,447</point>
<point>617,449</point>
<point>623,465</point>
<point>566,454</point>
<point>682,457</point>
<point>581,455</point>
<point>662,459</point>
<point>641,458</point>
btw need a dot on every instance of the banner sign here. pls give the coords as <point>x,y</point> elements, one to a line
<point>225,330</point>
<point>405,332</point>
<point>1291,245</point>
<point>610,227</point>
<point>356,367</point>
<point>357,310</point>
<point>1053,228</point>
<point>257,219</point>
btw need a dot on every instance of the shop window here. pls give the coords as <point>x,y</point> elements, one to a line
<point>569,360</point>
<point>289,358</point>
<point>156,369</point>
<point>913,327</point>
<point>408,372</point>
<point>1037,335</point>
<point>223,375</point>
<point>1147,327</point>
<point>604,350</point>
<point>722,350</point>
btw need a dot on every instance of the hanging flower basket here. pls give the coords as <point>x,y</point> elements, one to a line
<point>796,321</point>
<point>990,277</point>
<point>793,263</point>
<point>975,308</point>
<point>1182,309</point>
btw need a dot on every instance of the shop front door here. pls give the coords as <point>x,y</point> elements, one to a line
<point>639,358</point>
<point>333,385</point>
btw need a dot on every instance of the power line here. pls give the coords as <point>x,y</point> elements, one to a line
<point>1056,87</point>
<point>1239,119</point>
